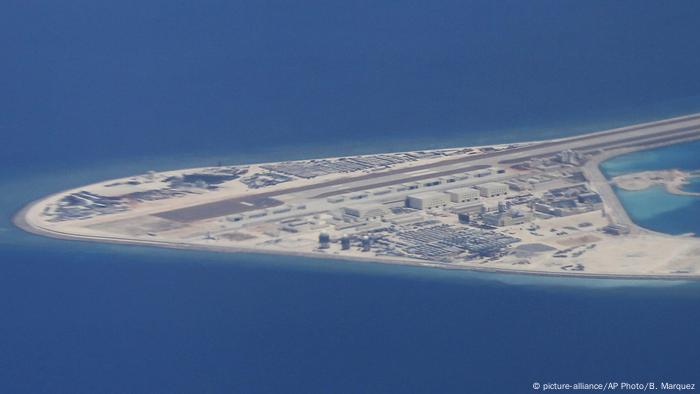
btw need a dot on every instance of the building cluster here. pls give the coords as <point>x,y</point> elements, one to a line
<point>308,169</point>
<point>368,211</point>
<point>264,179</point>
<point>440,199</point>
<point>428,200</point>
<point>431,240</point>
<point>567,158</point>
<point>267,212</point>
<point>424,185</point>
<point>445,240</point>
<point>616,229</point>
<point>566,201</point>
<point>364,242</point>
<point>207,179</point>
<point>313,168</point>
<point>84,205</point>
<point>572,157</point>
<point>506,215</point>
<point>303,223</point>
<point>463,195</point>
<point>532,182</point>
<point>416,229</point>
<point>426,240</point>
<point>465,202</point>
<point>155,194</point>
<point>416,219</point>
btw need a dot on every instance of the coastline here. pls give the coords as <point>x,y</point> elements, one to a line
<point>598,162</point>
<point>19,220</point>
<point>672,180</point>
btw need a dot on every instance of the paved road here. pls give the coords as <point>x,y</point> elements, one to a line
<point>609,144</point>
<point>219,208</point>
<point>617,212</point>
<point>402,180</point>
<point>672,139</point>
<point>667,129</point>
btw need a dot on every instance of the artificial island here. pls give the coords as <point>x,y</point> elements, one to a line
<point>541,207</point>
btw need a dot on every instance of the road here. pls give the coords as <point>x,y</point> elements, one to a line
<point>637,135</point>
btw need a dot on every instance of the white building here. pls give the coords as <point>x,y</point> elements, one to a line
<point>482,173</point>
<point>464,194</point>
<point>492,189</point>
<point>471,208</point>
<point>448,179</point>
<point>366,211</point>
<point>519,185</point>
<point>508,218</point>
<point>427,200</point>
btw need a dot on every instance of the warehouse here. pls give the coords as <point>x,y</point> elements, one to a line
<point>465,194</point>
<point>508,218</point>
<point>366,211</point>
<point>471,208</point>
<point>427,200</point>
<point>492,189</point>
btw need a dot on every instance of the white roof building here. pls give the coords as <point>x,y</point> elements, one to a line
<point>492,189</point>
<point>427,200</point>
<point>366,211</point>
<point>464,194</point>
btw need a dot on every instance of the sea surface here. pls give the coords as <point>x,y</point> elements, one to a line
<point>95,90</point>
<point>655,208</point>
<point>693,185</point>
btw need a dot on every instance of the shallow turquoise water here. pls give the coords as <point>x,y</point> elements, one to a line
<point>95,90</point>
<point>684,156</point>
<point>693,185</point>
<point>655,208</point>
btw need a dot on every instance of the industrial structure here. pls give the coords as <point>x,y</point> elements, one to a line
<point>492,189</point>
<point>464,194</point>
<point>534,207</point>
<point>428,200</point>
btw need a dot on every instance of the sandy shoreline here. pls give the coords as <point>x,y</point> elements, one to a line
<point>19,221</point>
<point>29,219</point>
<point>672,180</point>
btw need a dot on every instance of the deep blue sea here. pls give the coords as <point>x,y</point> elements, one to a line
<point>655,208</point>
<point>93,90</point>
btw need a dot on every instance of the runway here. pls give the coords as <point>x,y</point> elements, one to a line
<point>635,135</point>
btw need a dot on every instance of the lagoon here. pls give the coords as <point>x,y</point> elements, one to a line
<point>655,208</point>
<point>99,90</point>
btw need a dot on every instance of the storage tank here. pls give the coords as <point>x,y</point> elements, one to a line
<point>345,242</point>
<point>324,240</point>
